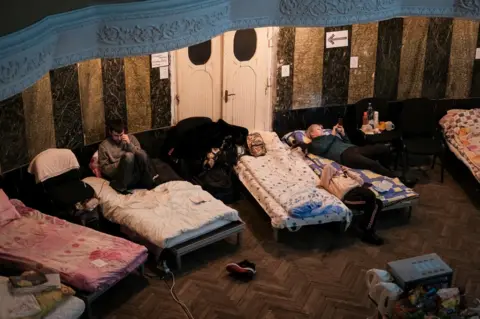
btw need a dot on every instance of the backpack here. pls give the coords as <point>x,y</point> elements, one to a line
<point>256,145</point>
<point>218,182</point>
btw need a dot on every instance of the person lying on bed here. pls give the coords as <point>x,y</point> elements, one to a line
<point>123,160</point>
<point>349,187</point>
<point>337,147</point>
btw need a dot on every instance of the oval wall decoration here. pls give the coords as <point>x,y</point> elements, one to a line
<point>50,36</point>
<point>245,44</point>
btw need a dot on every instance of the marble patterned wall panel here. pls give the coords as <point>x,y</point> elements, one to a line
<point>285,56</point>
<point>38,110</point>
<point>437,58</point>
<point>161,99</point>
<point>336,71</point>
<point>91,98</point>
<point>309,48</point>
<point>364,46</point>
<point>13,146</point>
<point>114,96</point>
<point>475,88</point>
<point>137,85</point>
<point>462,55</point>
<point>67,112</point>
<point>388,58</point>
<point>412,61</point>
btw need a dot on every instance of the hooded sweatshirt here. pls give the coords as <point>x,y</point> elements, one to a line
<point>338,182</point>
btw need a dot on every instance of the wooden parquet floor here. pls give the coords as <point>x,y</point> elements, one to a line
<point>314,273</point>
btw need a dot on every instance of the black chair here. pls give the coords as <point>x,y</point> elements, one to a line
<point>420,133</point>
<point>385,114</point>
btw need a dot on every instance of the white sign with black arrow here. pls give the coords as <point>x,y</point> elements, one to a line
<point>337,39</point>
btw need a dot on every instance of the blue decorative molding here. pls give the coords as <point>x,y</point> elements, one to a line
<point>145,27</point>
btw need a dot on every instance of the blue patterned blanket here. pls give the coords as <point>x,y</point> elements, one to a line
<point>397,192</point>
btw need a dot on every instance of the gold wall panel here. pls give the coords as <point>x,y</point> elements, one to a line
<point>91,99</point>
<point>308,67</point>
<point>412,60</point>
<point>137,83</point>
<point>38,109</point>
<point>364,46</point>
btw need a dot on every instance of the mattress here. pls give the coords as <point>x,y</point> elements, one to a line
<point>86,259</point>
<point>462,134</point>
<point>398,193</point>
<point>282,174</point>
<point>166,215</point>
<point>471,166</point>
<point>183,237</point>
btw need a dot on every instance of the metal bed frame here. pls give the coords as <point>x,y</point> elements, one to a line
<point>407,204</point>
<point>233,228</point>
<point>89,298</point>
<point>181,249</point>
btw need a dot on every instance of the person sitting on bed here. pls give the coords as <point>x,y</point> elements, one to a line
<point>350,188</point>
<point>123,160</point>
<point>337,147</point>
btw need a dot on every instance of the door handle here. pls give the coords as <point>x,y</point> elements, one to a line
<point>227,95</point>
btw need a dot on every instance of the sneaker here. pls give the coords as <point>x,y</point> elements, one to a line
<point>242,269</point>
<point>370,237</point>
<point>410,183</point>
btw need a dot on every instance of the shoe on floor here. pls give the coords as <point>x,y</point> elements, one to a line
<point>370,237</point>
<point>410,183</point>
<point>243,269</point>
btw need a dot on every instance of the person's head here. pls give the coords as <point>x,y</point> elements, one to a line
<point>314,130</point>
<point>116,129</point>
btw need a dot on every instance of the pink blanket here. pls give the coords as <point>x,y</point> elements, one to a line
<point>86,259</point>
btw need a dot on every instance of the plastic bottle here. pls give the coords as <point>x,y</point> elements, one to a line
<point>375,119</point>
<point>365,118</point>
<point>370,114</point>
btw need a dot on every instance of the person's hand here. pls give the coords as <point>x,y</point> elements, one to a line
<point>341,130</point>
<point>334,130</point>
<point>125,138</point>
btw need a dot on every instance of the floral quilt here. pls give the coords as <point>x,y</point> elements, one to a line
<point>85,259</point>
<point>462,133</point>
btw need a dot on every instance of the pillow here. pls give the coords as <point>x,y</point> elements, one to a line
<point>7,210</point>
<point>103,190</point>
<point>95,165</point>
<point>299,136</point>
<point>295,136</point>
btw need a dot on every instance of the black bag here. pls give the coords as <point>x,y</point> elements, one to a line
<point>218,182</point>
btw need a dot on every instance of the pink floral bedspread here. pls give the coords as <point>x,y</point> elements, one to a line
<point>86,259</point>
<point>462,132</point>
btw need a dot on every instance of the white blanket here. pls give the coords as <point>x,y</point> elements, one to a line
<point>162,213</point>
<point>285,176</point>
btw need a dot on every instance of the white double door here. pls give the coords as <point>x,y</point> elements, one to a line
<point>227,77</point>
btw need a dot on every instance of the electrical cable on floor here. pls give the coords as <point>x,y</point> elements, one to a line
<point>175,297</point>
<point>172,289</point>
